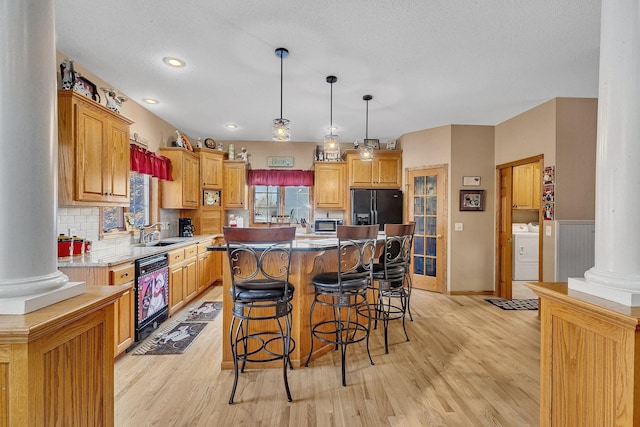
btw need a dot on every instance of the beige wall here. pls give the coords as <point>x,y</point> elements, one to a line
<point>563,130</point>
<point>302,152</point>
<point>576,158</point>
<point>426,147</point>
<point>468,150</point>
<point>472,250</point>
<point>528,134</point>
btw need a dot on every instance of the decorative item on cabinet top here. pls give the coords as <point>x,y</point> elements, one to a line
<point>72,80</point>
<point>182,141</point>
<point>113,100</point>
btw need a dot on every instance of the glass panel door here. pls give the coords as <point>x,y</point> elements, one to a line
<point>427,201</point>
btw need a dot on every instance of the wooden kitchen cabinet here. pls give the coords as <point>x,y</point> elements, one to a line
<point>124,307</point>
<point>184,191</point>
<point>205,266</point>
<point>190,271</point>
<point>93,153</point>
<point>330,185</point>
<point>207,220</point>
<point>383,171</point>
<point>176,280</point>
<point>210,167</point>
<point>56,363</point>
<point>183,277</point>
<point>234,192</point>
<point>527,186</point>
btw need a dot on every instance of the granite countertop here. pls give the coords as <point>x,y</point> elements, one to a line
<point>105,258</point>
<point>303,245</point>
<point>299,245</point>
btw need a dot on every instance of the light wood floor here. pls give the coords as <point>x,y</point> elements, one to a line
<point>468,364</point>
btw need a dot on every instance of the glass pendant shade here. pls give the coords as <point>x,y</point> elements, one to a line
<point>366,151</point>
<point>281,131</point>
<point>281,128</point>
<point>331,141</point>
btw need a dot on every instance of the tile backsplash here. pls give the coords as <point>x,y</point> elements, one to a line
<point>84,222</point>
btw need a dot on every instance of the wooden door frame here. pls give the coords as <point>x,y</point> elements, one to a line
<point>540,160</point>
<point>445,215</point>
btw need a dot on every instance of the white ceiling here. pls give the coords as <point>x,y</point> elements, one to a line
<point>427,63</point>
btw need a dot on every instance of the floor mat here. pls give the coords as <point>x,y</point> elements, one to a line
<point>174,342</point>
<point>514,304</point>
<point>159,344</point>
<point>208,311</point>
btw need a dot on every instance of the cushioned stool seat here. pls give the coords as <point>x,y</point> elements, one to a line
<point>345,292</point>
<point>259,262</point>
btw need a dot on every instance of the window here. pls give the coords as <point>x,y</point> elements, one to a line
<point>113,217</point>
<point>272,200</point>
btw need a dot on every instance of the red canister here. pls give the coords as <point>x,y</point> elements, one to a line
<point>78,245</point>
<point>65,246</point>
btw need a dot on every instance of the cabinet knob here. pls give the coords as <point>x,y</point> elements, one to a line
<point>125,275</point>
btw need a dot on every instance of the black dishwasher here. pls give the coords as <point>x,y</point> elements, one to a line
<point>152,294</point>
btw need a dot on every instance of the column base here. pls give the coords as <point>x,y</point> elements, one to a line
<point>28,303</point>
<point>630,298</point>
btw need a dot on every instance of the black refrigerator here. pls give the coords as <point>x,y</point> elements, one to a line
<point>376,207</point>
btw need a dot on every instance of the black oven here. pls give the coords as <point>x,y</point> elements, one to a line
<point>152,294</point>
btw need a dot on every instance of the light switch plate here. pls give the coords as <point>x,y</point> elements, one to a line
<point>547,230</point>
<point>459,226</point>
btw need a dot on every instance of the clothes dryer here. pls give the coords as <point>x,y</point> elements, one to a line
<point>525,253</point>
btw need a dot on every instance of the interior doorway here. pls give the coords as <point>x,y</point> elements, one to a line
<point>520,195</point>
<point>427,207</point>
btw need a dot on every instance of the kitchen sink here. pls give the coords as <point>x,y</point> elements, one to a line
<point>156,243</point>
<point>165,243</point>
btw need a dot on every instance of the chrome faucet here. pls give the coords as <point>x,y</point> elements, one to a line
<point>143,236</point>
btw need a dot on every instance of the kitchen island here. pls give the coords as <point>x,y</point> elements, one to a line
<point>308,258</point>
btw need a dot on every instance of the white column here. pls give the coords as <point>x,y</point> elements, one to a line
<point>616,274</point>
<point>29,276</point>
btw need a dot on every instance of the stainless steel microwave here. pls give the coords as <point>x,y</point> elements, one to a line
<point>327,225</point>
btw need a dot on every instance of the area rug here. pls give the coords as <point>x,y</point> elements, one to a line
<point>208,311</point>
<point>170,339</point>
<point>176,341</point>
<point>514,304</point>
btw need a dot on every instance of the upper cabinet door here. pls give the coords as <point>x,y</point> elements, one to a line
<point>93,153</point>
<point>383,171</point>
<point>234,193</point>
<point>211,170</point>
<point>330,185</point>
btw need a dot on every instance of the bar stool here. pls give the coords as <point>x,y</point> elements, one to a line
<point>259,261</point>
<point>345,292</point>
<point>391,285</point>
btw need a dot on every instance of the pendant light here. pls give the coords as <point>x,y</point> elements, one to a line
<point>281,125</point>
<point>366,151</point>
<point>331,140</point>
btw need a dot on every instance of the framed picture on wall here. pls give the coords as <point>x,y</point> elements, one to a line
<point>471,200</point>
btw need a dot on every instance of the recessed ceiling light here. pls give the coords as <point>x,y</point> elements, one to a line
<point>231,126</point>
<point>174,62</point>
<point>150,101</point>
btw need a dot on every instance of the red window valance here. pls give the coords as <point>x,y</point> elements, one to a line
<point>290,178</point>
<point>149,163</point>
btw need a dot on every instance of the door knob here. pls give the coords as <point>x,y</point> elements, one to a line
<point>439,236</point>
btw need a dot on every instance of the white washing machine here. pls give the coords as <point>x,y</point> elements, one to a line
<point>525,252</point>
